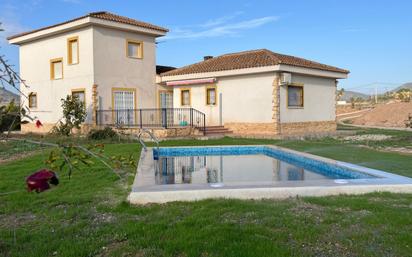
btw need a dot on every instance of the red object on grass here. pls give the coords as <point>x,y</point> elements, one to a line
<point>39,181</point>
<point>38,124</point>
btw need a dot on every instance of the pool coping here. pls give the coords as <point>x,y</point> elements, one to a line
<point>143,194</point>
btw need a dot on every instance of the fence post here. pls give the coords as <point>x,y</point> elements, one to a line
<point>191,117</point>
<point>140,118</point>
<point>164,118</point>
<point>97,117</point>
<point>204,124</point>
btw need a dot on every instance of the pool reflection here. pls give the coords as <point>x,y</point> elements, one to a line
<point>228,169</point>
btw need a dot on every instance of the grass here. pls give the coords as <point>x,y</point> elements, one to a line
<point>11,148</point>
<point>88,215</point>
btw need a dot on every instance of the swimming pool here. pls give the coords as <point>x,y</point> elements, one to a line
<point>250,172</point>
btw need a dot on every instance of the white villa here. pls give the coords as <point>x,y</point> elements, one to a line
<point>109,62</point>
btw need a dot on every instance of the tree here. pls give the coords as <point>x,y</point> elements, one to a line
<point>9,117</point>
<point>408,122</point>
<point>74,114</point>
<point>352,102</point>
<point>404,94</point>
<point>64,155</point>
<point>340,93</point>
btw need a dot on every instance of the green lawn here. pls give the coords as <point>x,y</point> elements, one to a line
<point>88,215</point>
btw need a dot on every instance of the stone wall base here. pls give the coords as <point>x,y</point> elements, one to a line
<point>252,129</point>
<point>307,128</point>
<point>47,128</point>
<point>31,128</point>
<point>162,133</point>
<point>269,130</point>
<point>158,132</point>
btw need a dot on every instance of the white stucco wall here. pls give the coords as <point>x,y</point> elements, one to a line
<point>102,61</point>
<point>246,98</point>
<point>35,69</point>
<point>113,69</point>
<point>319,100</point>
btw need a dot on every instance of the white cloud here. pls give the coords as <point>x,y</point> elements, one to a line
<point>219,28</point>
<point>221,20</point>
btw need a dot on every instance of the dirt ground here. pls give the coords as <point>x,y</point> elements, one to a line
<point>348,108</point>
<point>386,115</point>
<point>341,109</point>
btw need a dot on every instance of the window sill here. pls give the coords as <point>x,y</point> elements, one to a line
<point>57,79</point>
<point>211,105</point>
<point>70,64</point>
<point>133,57</point>
<point>295,107</point>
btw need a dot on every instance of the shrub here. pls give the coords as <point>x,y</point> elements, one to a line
<point>74,114</point>
<point>99,134</point>
<point>9,117</point>
<point>408,122</point>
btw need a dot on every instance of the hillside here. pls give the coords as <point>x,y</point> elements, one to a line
<point>6,97</point>
<point>347,95</point>
<point>386,115</point>
<point>406,85</point>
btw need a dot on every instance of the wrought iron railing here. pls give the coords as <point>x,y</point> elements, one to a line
<point>152,118</point>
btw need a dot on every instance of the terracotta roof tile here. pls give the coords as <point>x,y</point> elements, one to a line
<point>99,15</point>
<point>249,59</point>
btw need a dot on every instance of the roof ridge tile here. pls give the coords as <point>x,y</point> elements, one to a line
<point>104,15</point>
<point>249,59</point>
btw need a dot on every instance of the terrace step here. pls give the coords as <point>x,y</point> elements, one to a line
<point>216,130</point>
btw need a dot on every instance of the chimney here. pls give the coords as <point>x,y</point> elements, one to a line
<point>207,57</point>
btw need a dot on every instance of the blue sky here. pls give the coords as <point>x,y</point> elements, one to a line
<point>373,39</point>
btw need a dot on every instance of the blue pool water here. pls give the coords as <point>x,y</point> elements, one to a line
<point>242,165</point>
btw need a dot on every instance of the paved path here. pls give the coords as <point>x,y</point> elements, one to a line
<point>375,127</point>
<point>357,112</point>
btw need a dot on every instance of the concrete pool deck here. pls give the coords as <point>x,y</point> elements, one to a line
<point>145,190</point>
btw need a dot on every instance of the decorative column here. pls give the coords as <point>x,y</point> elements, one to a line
<point>276,103</point>
<point>336,101</point>
<point>94,105</point>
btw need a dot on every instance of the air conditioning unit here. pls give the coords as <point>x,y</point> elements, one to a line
<point>285,78</point>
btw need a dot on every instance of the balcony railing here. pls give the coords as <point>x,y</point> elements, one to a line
<point>152,118</point>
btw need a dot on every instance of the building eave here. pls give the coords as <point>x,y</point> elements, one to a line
<point>80,23</point>
<point>313,72</point>
<point>220,73</point>
<point>274,68</point>
<point>76,24</point>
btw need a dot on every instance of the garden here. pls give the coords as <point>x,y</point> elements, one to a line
<point>87,214</point>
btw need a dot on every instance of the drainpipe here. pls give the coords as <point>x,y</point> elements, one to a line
<point>94,105</point>
<point>220,110</point>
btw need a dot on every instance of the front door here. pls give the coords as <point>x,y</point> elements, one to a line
<point>166,105</point>
<point>124,106</point>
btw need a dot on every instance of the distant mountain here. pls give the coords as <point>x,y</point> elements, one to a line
<point>406,85</point>
<point>347,95</point>
<point>6,97</point>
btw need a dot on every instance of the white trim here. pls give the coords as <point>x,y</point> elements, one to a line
<point>191,82</point>
<point>220,73</point>
<point>313,72</point>
<point>51,31</point>
<point>87,21</point>
<point>274,68</point>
